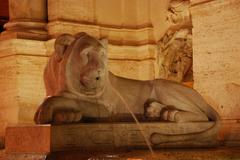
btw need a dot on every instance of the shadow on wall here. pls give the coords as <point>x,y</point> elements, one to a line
<point>4,13</point>
<point>1,142</point>
<point>3,20</point>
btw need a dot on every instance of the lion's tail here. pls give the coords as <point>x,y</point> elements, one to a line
<point>207,135</point>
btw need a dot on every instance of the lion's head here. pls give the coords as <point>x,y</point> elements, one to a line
<point>85,62</point>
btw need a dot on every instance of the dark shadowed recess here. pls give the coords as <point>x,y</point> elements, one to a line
<point>4,13</point>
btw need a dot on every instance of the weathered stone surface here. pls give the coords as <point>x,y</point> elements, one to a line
<point>34,10</point>
<point>22,47</point>
<point>230,133</point>
<point>31,85</point>
<point>133,69</point>
<point>122,22</point>
<point>175,55</point>
<point>118,36</point>
<point>175,46</point>
<point>25,157</point>
<point>22,64</point>
<point>173,154</point>
<point>27,20</point>
<point>116,52</point>
<point>28,139</point>
<point>121,13</point>
<point>197,2</point>
<point>216,54</point>
<point>158,17</point>
<point>3,126</point>
<point>8,94</point>
<point>95,136</point>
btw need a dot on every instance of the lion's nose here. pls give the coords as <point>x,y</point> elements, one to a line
<point>97,78</point>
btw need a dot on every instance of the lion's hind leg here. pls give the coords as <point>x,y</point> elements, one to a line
<point>154,109</point>
<point>184,116</point>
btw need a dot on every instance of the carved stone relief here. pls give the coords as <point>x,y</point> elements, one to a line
<point>175,47</point>
<point>175,55</point>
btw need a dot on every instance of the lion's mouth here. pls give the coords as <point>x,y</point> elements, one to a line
<point>89,84</point>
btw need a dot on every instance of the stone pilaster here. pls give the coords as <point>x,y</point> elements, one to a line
<point>126,25</point>
<point>27,20</point>
<point>216,55</point>
<point>22,55</point>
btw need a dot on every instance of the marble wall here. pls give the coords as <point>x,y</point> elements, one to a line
<point>216,55</point>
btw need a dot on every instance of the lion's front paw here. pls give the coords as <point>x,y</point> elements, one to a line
<point>43,115</point>
<point>67,117</point>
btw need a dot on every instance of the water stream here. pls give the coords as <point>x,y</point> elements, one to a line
<point>137,122</point>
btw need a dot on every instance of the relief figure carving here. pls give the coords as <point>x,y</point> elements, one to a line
<point>175,47</point>
<point>175,55</point>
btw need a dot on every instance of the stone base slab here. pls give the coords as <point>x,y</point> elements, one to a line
<point>29,139</point>
<point>98,136</point>
<point>166,154</point>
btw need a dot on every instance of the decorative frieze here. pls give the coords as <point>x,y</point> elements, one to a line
<point>175,47</point>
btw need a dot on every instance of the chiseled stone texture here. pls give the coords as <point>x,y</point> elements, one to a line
<point>123,22</point>
<point>28,139</point>
<point>173,154</point>
<point>27,20</point>
<point>21,80</point>
<point>99,136</point>
<point>120,14</point>
<point>216,54</point>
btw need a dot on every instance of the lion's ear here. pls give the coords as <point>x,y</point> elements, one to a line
<point>104,42</point>
<point>80,34</point>
<point>61,44</point>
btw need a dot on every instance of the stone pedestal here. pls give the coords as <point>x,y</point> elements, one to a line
<point>95,136</point>
<point>41,141</point>
<point>27,20</point>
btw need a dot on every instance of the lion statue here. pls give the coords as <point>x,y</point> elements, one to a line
<point>79,87</point>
